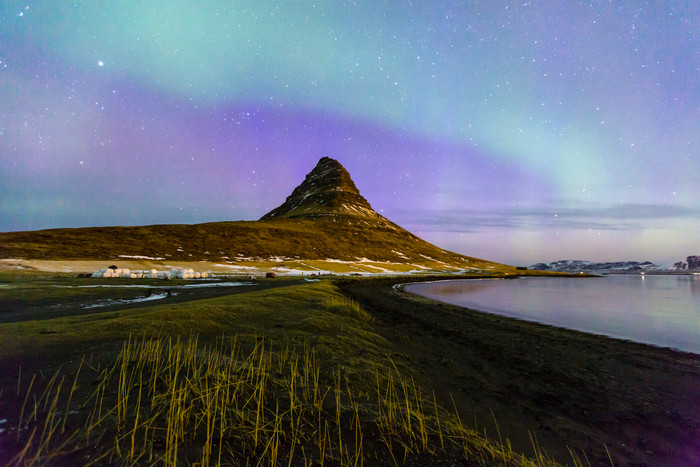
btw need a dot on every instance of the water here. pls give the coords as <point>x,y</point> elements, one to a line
<point>658,310</point>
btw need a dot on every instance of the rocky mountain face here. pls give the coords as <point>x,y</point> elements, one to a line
<point>692,263</point>
<point>327,191</point>
<point>588,266</point>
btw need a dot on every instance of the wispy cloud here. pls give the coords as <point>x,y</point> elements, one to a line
<point>620,217</point>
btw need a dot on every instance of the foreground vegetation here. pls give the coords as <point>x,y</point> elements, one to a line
<point>178,402</point>
<point>290,376</point>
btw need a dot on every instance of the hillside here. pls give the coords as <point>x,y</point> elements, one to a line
<point>324,218</point>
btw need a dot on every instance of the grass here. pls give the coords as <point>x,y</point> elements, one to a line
<point>179,402</point>
<point>292,376</point>
<point>295,309</point>
<point>340,237</point>
<point>227,268</point>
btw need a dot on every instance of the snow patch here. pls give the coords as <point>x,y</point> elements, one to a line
<point>103,303</point>
<point>153,258</point>
<point>237,267</point>
<point>278,259</point>
<point>289,271</point>
<point>216,284</point>
<point>145,286</point>
<point>398,253</point>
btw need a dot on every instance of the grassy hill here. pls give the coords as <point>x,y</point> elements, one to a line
<point>325,218</point>
<point>242,241</point>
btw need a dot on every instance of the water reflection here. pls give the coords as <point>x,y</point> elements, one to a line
<point>694,286</point>
<point>660,310</point>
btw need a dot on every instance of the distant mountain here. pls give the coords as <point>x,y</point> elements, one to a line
<point>588,266</point>
<point>325,217</point>
<point>692,263</point>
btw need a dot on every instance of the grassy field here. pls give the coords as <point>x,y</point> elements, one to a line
<point>342,238</point>
<point>240,267</point>
<point>295,375</point>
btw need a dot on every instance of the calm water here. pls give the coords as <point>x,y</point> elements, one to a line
<point>659,310</point>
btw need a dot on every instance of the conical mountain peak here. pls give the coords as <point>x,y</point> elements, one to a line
<point>325,218</point>
<point>327,190</point>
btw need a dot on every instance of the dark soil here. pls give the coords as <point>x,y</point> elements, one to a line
<point>566,389</point>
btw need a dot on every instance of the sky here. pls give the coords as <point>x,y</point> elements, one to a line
<point>517,132</point>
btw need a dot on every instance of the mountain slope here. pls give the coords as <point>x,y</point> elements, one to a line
<point>325,217</point>
<point>327,190</point>
<point>692,263</point>
<point>588,266</point>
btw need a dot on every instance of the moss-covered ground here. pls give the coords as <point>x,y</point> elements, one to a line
<point>293,375</point>
<point>330,372</point>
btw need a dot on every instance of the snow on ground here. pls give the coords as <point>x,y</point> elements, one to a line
<point>289,271</point>
<point>279,259</point>
<point>255,267</point>
<point>237,267</point>
<point>102,303</point>
<point>376,267</point>
<point>141,257</point>
<point>215,284</point>
<point>398,253</point>
<point>437,261</point>
<point>315,270</point>
<point>147,286</point>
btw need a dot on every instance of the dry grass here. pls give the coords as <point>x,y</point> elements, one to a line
<point>346,306</point>
<point>338,237</point>
<point>167,401</point>
<point>291,376</point>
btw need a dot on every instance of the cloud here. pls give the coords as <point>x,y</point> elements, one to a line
<point>621,217</point>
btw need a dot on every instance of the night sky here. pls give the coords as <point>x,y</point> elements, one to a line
<point>512,131</point>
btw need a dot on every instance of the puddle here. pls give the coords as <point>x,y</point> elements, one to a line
<point>124,302</point>
<point>159,296</point>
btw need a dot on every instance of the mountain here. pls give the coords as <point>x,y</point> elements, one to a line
<point>692,263</point>
<point>324,218</point>
<point>327,190</point>
<point>588,266</point>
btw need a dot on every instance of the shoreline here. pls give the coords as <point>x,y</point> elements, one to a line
<point>516,316</point>
<point>568,389</point>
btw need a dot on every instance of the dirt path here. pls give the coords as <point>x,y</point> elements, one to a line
<point>568,389</point>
